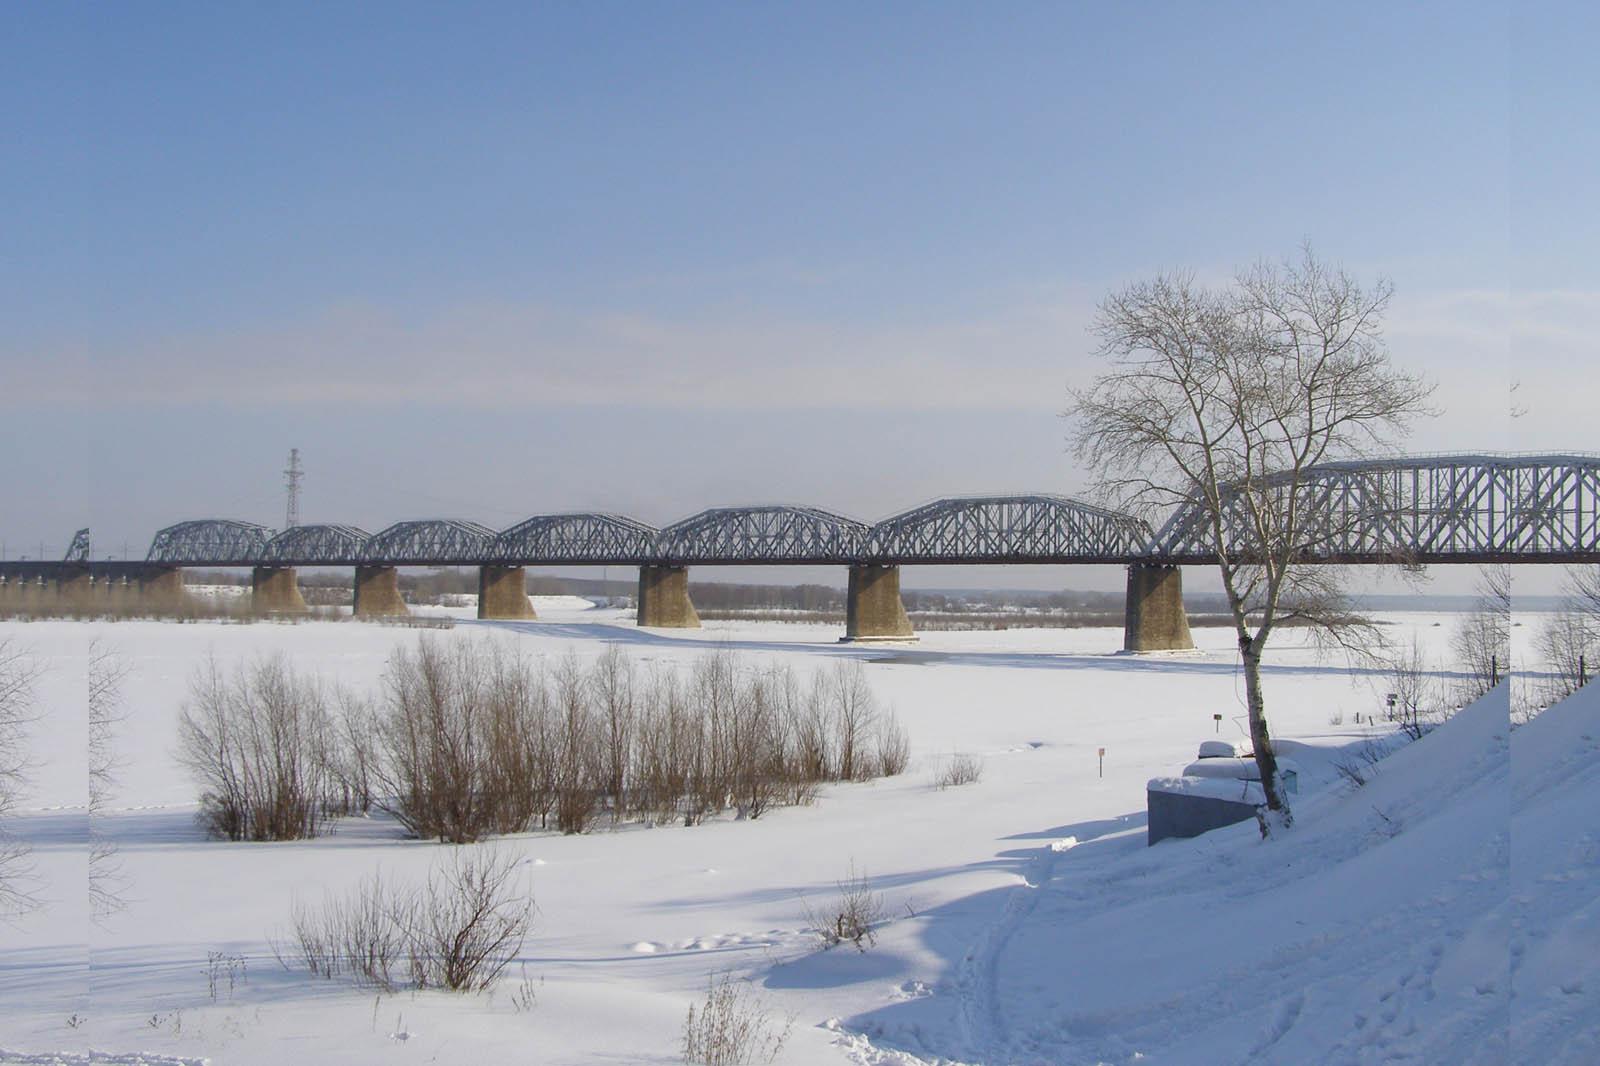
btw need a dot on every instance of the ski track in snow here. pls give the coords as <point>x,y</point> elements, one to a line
<point>1374,932</point>
<point>983,1021</point>
<point>75,1058</point>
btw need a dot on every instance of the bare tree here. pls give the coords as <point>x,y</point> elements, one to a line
<point>855,714</point>
<point>1569,639</point>
<point>1226,399</point>
<point>18,672</point>
<point>614,684</point>
<point>1482,638</point>
<point>1583,590</point>
<point>254,743</point>
<point>1411,681</point>
<point>1567,643</point>
<point>106,674</point>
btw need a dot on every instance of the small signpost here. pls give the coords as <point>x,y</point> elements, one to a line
<point>1217,718</point>
<point>1391,699</point>
<point>1102,762</point>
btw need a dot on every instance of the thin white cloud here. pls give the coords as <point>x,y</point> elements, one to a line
<point>502,357</point>
<point>1020,356</point>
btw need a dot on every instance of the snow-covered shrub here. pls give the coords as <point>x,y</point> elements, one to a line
<point>1481,641</point>
<point>459,931</point>
<point>473,740</point>
<point>469,922</point>
<point>463,741</point>
<point>962,769</point>
<point>733,1026</point>
<point>894,746</point>
<point>105,675</point>
<point>851,917</point>
<point>17,674</point>
<point>855,712</point>
<point>256,743</point>
<point>576,737</point>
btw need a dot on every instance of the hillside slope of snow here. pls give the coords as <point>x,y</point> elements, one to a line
<point>1445,912</point>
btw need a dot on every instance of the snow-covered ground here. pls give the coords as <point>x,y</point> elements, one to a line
<point>1028,921</point>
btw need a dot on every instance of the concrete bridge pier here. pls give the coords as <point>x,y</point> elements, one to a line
<point>273,590</point>
<point>161,590</point>
<point>1154,619</point>
<point>503,593</point>
<point>664,598</point>
<point>378,593</point>
<point>873,610</point>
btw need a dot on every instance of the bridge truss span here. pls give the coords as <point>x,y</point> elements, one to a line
<point>594,539</point>
<point>772,534</point>
<point>1008,529</point>
<point>315,545</point>
<point>445,542</point>
<point>1439,509</point>
<point>209,542</point>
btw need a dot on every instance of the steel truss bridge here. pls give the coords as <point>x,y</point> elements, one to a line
<point>1435,509</point>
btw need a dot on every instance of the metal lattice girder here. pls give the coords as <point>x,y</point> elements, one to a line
<point>429,543</point>
<point>209,542</point>
<point>593,538</point>
<point>315,546</point>
<point>79,551</point>
<point>1445,509</point>
<point>1007,529</point>
<point>762,535</point>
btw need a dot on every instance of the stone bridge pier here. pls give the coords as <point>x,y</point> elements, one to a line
<point>377,593</point>
<point>161,589</point>
<point>664,598</point>
<point>273,590</point>
<point>1154,619</point>
<point>503,593</point>
<point>873,609</point>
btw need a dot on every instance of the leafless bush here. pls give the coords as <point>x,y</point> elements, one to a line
<point>458,932</point>
<point>18,672</point>
<point>1481,640</point>
<point>1417,704</point>
<point>855,713</point>
<point>106,879</point>
<point>351,755</point>
<point>459,733</point>
<point>852,915</point>
<point>614,679</point>
<point>224,972</point>
<point>470,922</point>
<point>1360,766</point>
<point>894,746</point>
<point>364,935</point>
<point>578,759</point>
<point>733,1026</point>
<point>1566,642</point>
<point>255,743</point>
<point>472,741</point>
<point>961,769</point>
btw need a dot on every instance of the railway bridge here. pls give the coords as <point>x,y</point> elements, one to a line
<point>1479,508</point>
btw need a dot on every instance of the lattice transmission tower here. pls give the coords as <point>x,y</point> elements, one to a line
<point>291,484</point>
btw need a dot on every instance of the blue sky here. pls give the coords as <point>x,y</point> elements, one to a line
<point>494,259</point>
